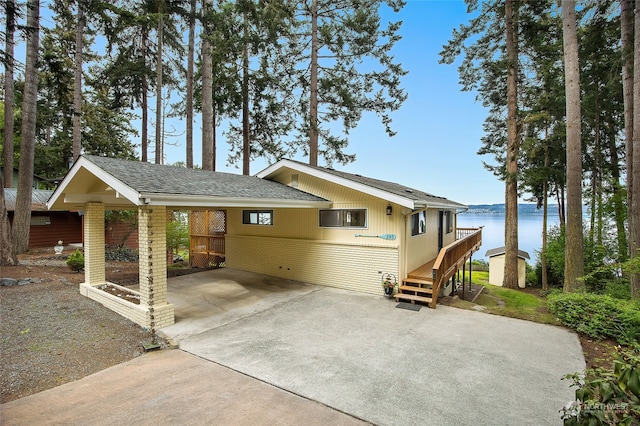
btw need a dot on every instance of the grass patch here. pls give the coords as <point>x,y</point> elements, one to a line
<point>513,303</point>
<point>520,304</point>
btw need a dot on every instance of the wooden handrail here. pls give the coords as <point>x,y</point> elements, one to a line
<point>452,257</point>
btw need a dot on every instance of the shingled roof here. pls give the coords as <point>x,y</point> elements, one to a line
<point>39,199</point>
<point>142,183</point>
<point>417,198</point>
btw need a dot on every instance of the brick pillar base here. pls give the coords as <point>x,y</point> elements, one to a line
<point>94,269</point>
<point>152,223</point>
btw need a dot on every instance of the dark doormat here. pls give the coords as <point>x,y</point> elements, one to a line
<point>408,306</point>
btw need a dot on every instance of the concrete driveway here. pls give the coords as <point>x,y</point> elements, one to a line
<point>361,355</point>
<point>328,356</point>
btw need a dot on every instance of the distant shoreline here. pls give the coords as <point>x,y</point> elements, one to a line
<point>498,209</point>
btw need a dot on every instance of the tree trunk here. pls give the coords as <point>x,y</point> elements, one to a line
<point>513,145</point>
<point>618,204</point>
<point>8,93</point>
<point>190,65</point>
<point>77,84</point>
<point>246,137</point>
<point>22,214</point>
<point>634,210</point>
<point>313,87</point>
<point>145,104</point>
<point>545,217</point>
<point>207,94</point>
<point>159,129</point>
<point>574,252</point>
<point>626,30</point>
<point>7,250</point>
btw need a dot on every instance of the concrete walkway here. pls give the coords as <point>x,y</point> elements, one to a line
<point>338,351</point>
<point>169,387</point>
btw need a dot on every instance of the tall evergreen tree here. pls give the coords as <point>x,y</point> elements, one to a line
<point>574,253</point>
<point>208,125</point>
<point>77,81</point>
<point>7,249</point>
<point>190,81</point>
<point>264,90</point>
<point>513,148</point>
<point>634,208</point>
<point>22,215</point>
<point>489,44</point>
<point>332,39</point>
<point>10,27</point>
<point>626,38</point>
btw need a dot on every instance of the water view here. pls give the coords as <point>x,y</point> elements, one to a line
<point>529,230</point>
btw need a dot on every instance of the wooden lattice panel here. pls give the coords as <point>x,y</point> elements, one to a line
<point>208,229</point>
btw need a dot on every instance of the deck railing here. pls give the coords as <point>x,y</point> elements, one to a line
<point>452,257</point>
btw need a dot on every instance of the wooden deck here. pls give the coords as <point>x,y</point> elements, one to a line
<point>423,272</point>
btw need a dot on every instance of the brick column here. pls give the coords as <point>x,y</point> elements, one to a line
<point>94,269</point>
<point>152,231</point>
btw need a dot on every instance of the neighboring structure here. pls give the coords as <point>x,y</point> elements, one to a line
<point>496,266</point>
<point>38,181</point>
<point>292,220</point>
<point>47,227</point>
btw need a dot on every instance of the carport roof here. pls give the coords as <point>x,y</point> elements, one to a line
<point>122,183</point>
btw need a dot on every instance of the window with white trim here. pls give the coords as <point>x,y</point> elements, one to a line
<point>257,217</point>
<point>418,223</point>
<point>343,218</point>
<point>448,215</point>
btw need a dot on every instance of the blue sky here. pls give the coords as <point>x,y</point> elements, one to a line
<point>438,127</point>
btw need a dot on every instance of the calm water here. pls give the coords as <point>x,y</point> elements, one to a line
<point>529,232</point>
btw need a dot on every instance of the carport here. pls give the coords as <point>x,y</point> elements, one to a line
<point>95,184</point>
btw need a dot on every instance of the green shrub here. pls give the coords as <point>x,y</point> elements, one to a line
<point>598,316</point>
<point>605,397</point>
<point>618,289</point>
<point>75,262</point>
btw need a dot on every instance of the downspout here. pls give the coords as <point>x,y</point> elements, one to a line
<point>405,243</point>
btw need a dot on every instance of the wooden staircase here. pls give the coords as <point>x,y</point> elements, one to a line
<point>423,284</point>
<point>414,290</point>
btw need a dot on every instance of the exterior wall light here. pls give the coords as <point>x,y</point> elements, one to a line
<point>389,209</point>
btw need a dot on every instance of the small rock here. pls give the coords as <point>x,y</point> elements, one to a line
<point>479,308</point>
<point>8,281</point>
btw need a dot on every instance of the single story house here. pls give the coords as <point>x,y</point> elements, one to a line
<point>291,220</point>
<point>496,266</point>
<point>47,226</point>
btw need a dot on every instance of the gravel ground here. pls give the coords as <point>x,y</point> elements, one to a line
<point>50,334</point>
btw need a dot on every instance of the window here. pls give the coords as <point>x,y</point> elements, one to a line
<point>418,223</point>
<point>257,217</point>
<point>448,221</point>
<point>343,218</point>
<point>40,220</point>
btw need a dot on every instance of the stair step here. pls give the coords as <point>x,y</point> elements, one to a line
<point>426,290</point>
<point>413,298</point>
<point>418,281</point>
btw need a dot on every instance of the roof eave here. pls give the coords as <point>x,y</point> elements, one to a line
<point>178,200</point>
<point>385,195</point>
<point>121,189</point>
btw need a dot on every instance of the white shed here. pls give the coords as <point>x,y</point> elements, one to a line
<point>496,266</point>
